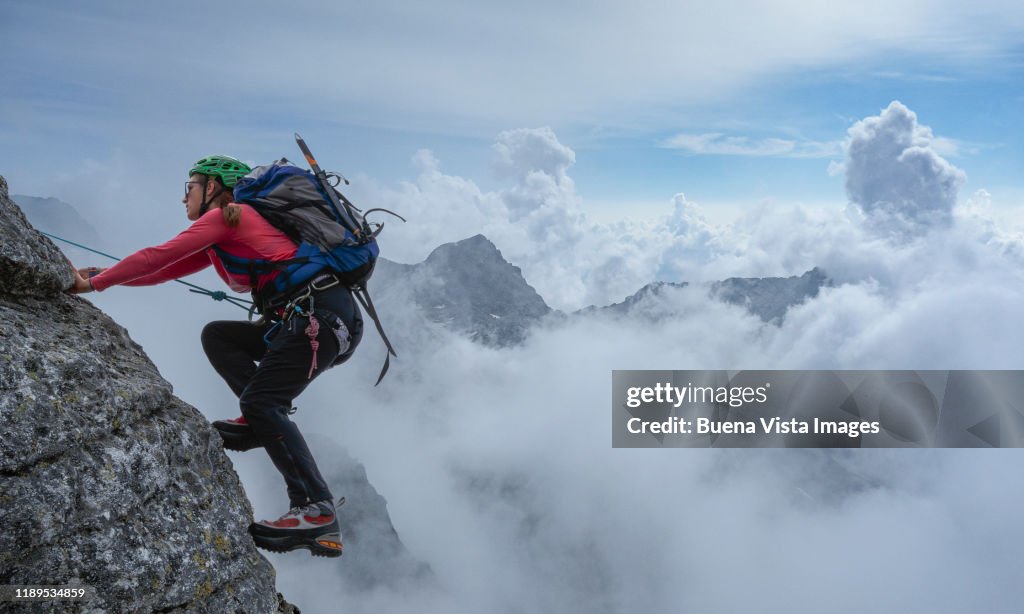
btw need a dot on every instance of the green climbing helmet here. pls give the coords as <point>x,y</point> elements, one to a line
<point>227,168</point>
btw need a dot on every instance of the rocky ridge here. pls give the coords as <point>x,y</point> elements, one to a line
<point>107,479</point>
<point>770,298</point>
<point>468,287</point>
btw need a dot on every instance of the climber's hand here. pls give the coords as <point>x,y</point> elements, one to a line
<point>90,271</point>
<point>82,283</point>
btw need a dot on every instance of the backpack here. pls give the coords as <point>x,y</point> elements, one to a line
<point>291,199</point>
<point>332,235</point>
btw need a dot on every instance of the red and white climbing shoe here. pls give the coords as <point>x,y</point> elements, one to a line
<point>313,526</point>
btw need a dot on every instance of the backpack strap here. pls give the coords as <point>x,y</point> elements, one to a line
<point>243,266</point>
<point>256,267</point>
<point>363,296</point>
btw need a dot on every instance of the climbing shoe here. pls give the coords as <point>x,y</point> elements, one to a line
<point>237,434</point>
<point>313,526</point>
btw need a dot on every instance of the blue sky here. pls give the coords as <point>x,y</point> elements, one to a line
<point>755,97</point>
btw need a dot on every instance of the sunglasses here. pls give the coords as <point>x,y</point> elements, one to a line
<point>189,184</point>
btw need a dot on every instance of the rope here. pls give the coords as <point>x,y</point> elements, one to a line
<point>217,295</point>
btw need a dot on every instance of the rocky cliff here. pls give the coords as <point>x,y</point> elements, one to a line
<point>107,479</point>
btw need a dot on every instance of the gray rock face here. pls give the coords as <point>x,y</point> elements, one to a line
<point>468,287</point>
<point>770,297</point>
<point>106,478</point>
<point>29,263</point>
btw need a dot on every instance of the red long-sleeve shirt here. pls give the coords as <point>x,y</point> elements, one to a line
<point>192,251</point>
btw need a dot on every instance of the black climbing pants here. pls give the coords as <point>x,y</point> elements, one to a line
<point>267,375</point>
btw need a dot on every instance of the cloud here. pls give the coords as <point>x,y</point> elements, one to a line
<point>897,178</point>
<point>390,73</point>
<point>518,153</point>
<point>536,220</point>
<point>691,242</point>
<point>715,143</point>
<point>497,474</point>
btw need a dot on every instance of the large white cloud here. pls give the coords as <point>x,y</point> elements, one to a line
<point>896,177</point>
<point>521,152</point>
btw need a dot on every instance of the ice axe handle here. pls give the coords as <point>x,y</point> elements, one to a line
<point>308,154</point>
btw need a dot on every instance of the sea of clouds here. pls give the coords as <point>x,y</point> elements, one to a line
<point>497,463</point>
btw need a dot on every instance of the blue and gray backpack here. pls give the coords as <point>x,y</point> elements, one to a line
<point>332,235</point>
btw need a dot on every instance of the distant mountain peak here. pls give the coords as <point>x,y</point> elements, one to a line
<point>478,247</point>
<point>477,241</point>
<point>468,286</point>
<point>771,297</point>
<point>649,292</point>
